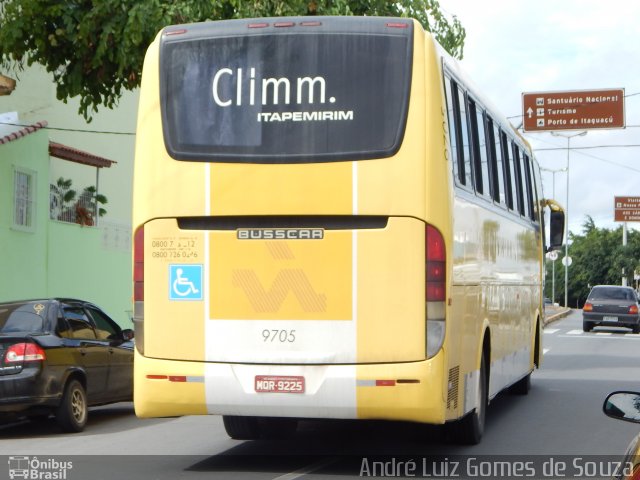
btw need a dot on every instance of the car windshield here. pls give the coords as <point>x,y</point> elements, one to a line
<point>22,317</point>
<point>612,293</point>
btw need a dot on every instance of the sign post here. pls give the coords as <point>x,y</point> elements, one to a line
<point>626,209</point>
<point>573,110</point>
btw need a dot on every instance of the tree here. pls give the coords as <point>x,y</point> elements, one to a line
<point>95,49</point>
<point>598,259</point>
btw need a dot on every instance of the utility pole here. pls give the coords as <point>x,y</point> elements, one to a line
<point>566,210</point>
<point>553,261</point>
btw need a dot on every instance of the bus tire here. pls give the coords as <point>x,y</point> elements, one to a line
<point>72,412</point>
<point>277,428</point>
<point>469,429</point>
<point>241,428</point>
<point>254,428</point>
<point>522,386</point>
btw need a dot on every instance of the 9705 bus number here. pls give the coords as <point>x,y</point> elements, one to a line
<point>275,335</point>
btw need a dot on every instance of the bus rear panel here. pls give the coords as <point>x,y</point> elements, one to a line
<point>290,260</point>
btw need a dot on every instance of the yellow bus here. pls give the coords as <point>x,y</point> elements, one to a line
<point>330,222</point>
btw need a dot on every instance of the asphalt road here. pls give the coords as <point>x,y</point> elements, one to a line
<point>559,425</point>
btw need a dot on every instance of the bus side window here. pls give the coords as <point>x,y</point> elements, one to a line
<point>518,178</point>
<point>465,142</point>
<point>537,192</point>
<point>526,168</point>
<point>453,121</point>
<point>508,172</point>
<point>480,158</point>
<point>497,172</point>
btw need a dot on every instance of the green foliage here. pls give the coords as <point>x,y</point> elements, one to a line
<point>91,200</point>
<point>598,259</point>
<point>62,191</point>
<point>66,205</point>
<point>95,48</point>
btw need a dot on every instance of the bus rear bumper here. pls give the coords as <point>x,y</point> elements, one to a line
<point>396,391</point>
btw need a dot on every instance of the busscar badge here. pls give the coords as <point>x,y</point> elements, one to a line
<point>38,307</point>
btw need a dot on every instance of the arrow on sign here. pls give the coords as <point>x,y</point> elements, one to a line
<point>530,112</point>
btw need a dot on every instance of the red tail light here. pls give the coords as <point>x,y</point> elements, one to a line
<point>436,265</point>
<point>397,25</point>
<point>24,352</point>
<point>633,309</point>
<point>138,265</point>
<point>138,288</point>
<point>587,307</point>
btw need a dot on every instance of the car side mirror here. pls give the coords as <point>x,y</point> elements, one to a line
<point>127,334</point>
<point>623,406</point>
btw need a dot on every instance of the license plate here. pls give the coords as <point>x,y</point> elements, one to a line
<point>279,384</point>
<point>610,319</point>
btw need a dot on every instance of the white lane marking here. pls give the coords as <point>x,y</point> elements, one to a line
<point>545,351</point>
<point>575,332</point>
<point>306,470</point>
<point>551,331</point>
<point>610,335</point>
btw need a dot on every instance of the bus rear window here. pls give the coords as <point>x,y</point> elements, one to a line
<point>277,97</point>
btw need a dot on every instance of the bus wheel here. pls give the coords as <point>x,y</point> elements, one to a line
<point>278,428</point>
<point>469,430</point>
<point>241,428</point>
<point>522,386</point>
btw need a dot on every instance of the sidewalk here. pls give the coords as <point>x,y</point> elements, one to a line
<point>553,313</point>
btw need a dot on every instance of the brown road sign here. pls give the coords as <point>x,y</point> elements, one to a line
<point>573,110</point>
<point>626,209</point>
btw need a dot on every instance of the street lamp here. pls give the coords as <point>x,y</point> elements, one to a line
<point>553,262</point>
<point>566,210</point>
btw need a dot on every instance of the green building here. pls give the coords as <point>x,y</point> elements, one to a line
<point>56,247</point>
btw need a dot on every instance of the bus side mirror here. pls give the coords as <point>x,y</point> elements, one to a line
<point>556,227</point>
<point>556,230</point>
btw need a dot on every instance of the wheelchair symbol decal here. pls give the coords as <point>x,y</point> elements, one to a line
<point>185,282</point>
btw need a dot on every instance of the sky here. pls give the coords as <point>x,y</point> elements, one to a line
<point>520,46</point>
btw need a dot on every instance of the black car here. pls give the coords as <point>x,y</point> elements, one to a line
<point>60,356</point>
<point>613,306</point>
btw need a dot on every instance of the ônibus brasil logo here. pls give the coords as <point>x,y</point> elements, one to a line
<point>32,468</point>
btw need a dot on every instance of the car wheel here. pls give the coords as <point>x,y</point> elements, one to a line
<point>469,430</point>
<point>72,412</point>
<point>587,326</point>
<point>635,328</point>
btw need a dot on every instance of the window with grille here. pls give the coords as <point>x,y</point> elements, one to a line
<point>24,199</point>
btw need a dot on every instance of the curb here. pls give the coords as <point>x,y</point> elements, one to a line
<point>556,316</point>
